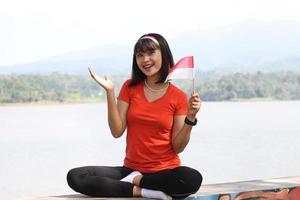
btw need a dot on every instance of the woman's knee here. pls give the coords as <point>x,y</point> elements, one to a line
<point>196,181</point>
<point>73,178</point>
<point>192,178</point>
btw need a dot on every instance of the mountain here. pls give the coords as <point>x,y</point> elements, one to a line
<point>245,46</point>
<point>248,45</point>
<point>111,59</point>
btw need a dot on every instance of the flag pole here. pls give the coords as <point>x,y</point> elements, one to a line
<point>193,87</point>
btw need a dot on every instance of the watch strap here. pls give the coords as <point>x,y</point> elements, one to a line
<point>188,122</point>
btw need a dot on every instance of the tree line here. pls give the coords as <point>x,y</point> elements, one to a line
<point>75,88</point>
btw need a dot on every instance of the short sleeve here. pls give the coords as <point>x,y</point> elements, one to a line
<point>182,105</point>
<point>124,92</point>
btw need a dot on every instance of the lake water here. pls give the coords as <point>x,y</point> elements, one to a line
<point>233,141</point>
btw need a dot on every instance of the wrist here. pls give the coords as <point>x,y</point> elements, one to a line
<point>191,117</point>
<point>190,122</point>
<point>110,92</point>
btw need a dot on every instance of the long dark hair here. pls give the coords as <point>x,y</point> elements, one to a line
<point>144,45</point>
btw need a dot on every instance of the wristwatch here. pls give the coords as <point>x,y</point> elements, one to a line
<point>188,122</point>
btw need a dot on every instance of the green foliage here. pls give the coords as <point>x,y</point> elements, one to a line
<point>37,88</point>
<point>73,88</point>
<point>238,86</point>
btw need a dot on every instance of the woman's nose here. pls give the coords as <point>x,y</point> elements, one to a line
<point>146,58</point>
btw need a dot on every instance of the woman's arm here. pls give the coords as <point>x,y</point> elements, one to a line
<point>116,112</point>
<point>117,115</point>
<point>181,131</point>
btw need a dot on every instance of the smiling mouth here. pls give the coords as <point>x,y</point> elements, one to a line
<point>148,66</point>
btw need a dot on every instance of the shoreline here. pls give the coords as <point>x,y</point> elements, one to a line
<point>56,103</point>
<point>52,103</point>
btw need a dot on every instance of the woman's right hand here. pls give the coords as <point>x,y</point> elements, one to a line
<point>105,82</point>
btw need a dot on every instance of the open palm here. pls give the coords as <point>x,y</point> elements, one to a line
<point>105,82</point>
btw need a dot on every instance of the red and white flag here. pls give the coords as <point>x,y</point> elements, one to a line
<point>183,69</point>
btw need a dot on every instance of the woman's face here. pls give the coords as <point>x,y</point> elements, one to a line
<point>149,62</point>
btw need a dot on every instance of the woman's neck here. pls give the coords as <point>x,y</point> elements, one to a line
<point>152,85</point>
<point>151,81</point>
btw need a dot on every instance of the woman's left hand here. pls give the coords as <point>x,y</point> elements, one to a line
<point>194,105</point>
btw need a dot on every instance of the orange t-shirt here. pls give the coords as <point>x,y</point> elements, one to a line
<point>149,128</point>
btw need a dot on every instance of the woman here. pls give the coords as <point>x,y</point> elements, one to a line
<point>159,118</point>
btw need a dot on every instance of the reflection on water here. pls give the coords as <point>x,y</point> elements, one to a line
<point>232,142</point>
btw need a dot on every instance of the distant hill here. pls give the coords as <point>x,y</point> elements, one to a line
<point>244,46</point>
<point>111,59</point>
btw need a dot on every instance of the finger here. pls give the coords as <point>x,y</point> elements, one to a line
<point>196,104</point>
<point>196,99</point>
<point>92,72</point>
<point>195,108</point>
<point>195,94</point>
<point>90,69</point>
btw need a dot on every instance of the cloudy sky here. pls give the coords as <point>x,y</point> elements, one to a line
<point>35,29</point>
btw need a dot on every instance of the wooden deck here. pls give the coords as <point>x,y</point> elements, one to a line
<point>283,188</point>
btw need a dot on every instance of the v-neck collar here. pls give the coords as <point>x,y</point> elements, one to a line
<point>155,100</point>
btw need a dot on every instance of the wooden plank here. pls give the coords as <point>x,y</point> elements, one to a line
<point>254,185</point>
<point>280,188</point>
